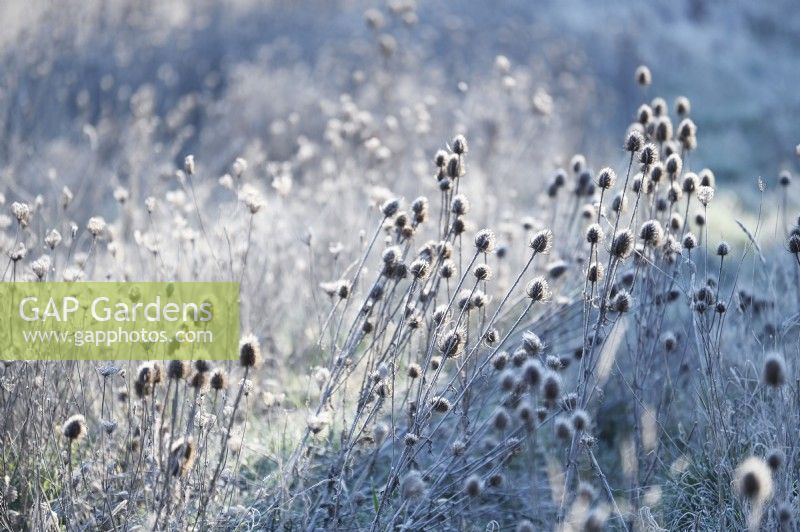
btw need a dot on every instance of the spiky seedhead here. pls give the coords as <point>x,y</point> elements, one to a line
<point>412,486</point>
<point>663,129</point>
<point>606,178</point>
<point>595,272</point>
<point>774,371</point>
<point>390,207</point>
<point>473,486</point>
<point>622,245</point>
<point>532,372</point>
<point>485,241</point>
<point>538,289</point>
<point>452,343</point>
<point>440,404</point>
<point>177,369</point>
<point>594,234</point>
<point>531,343</point>
<point>643,76</point>
<point>542,241</point>
<point>483,272</point>
<point>651,233</point>
<point>775,459</point>
<point>551,386</point>
<point>753,480</point>
<point>181,457</point>
<point>563,428</point>
<point>648,156</point>
<point>644,114</point>
<point>460,205</point>
<point>634,141</point>
<point>659,106</point>
<point>689,241</point>
<point>622,301</point>
<point>577,163</point>
<point>580,420</point>
<point>219,379</point>
<point>249,351</point>
<point>188,165</point>
<point>793,244</point>
<point>419,269</point>
<point>74,428</point>
<point>460,145</point>
<point>682,106</point>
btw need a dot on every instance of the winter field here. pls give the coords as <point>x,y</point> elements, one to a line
<point>503,266</point>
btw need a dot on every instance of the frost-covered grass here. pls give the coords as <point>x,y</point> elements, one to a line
<point>473,296</point>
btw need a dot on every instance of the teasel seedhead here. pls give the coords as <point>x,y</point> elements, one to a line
<point>249,351</point>
<point>689,241</point>
<point>774,372</point>
<point>419,269</point>
<point>659,106</point>
<point>674,165</point>
<point>634,141</point>
<point>622,301</point>
<point>682,106</point>
<point>651,233</point>
<point>483,272</point>
<point>451,344</point>
<point>622,245</point>
<point>390,207</point>
<point>485,241</point>
<point>577,163</point>
<point>663,129</point>
<point>455,167</point>
<point>595,272</point>
<point>532,344</point>
<point>542,241</point>
<point>460,205</point>
<point>181,457</point>
<point>551,386</point>
<point>563,428</point>
<point>473,486</point>
<point>606,178</point>
<point>707,178</point>
<point>440,159</point>
<point>594,234</point>
<point>644,114</point>
<point>460,145</point>
<point>440,404</point>
<point>656,173</point>
<point>198,380</point>
<point>219,379</point>
<point>648,155</point>
<point>753,480</point>
<point>177,369</point>
<point>690,183</point>
<point>74,428</point>
<point>412,486</point>
<point>643,76</point>
<point>775,459</point>
<point>538,289</point>
<point>580,420</point>
<point>793,244</point>
<point>501,420</point>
